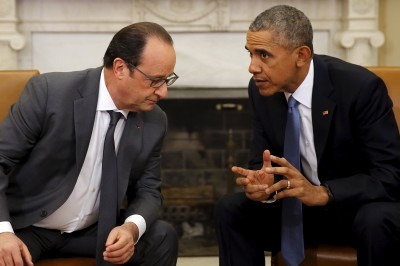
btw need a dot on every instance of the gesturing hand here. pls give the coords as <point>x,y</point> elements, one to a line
<point>255,182</point>
<point>296,185</point>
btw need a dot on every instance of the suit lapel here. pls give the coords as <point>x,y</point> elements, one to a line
<point>84,114</point>
<point>322,113</point>
<point>323,107</point>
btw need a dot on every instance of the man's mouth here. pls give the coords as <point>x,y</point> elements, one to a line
<point>153,101</point>
<point>260,81</point>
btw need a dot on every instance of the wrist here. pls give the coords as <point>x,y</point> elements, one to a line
<point>331,198</point>
<point>133,229</point>
<point>271,198</point>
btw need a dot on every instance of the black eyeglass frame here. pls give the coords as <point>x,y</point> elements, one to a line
<point>157,82</point>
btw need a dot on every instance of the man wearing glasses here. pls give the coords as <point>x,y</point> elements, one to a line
<point>51,159</point>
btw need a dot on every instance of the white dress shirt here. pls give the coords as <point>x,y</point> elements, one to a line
<point>303,95</point>
<point>82,207</point>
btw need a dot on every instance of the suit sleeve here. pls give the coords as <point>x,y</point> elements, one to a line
<point>375,175</point>
<point>19,132</point>
<point>144,190</point>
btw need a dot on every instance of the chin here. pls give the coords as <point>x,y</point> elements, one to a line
<point>267,91</point>
<point>148,107</point>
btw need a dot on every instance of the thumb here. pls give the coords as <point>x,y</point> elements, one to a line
<point>112,237</point>
<point>267,159</point>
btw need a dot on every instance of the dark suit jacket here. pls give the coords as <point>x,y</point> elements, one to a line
<point>357,143</point>
<point>44,140</point>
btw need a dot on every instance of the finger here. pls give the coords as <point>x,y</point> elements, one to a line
<point>287,193</point>
<point>256,195</point>
<point>26,255</point>
<point>240,171</point>
<point>15,258</point>
<point>255,188</point>
<point>121,255</point>
<point>120,241</point>
<point>278,186</point>
<point>241,181</point>
<point>288,172</point>
<point>119,260</point>
<point>112,239</point>
<point>281,161</point>
<point>8,260</point>
<point>267,159</point>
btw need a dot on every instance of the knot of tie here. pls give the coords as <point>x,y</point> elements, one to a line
<point>114,117</point>
<point>292,102</point>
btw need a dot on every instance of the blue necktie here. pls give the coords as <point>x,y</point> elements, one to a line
<point>292,243</point>
<point>108,212</point>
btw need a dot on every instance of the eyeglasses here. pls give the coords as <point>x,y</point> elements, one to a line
<point>158,82</point>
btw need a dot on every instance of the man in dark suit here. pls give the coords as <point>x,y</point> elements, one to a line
<point>51,146</point>
<point>348,182</point>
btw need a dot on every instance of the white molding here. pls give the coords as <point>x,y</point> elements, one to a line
<point>343,28</point>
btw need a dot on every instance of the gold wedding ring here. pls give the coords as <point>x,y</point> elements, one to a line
<point>288,184</point>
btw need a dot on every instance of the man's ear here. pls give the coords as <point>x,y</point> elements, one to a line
<point>304,55</point>
<point>118,68</point>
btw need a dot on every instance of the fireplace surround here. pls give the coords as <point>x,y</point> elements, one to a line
<point>205,138</point>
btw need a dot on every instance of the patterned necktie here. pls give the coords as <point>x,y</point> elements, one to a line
<point>292,243</point>
<point>108,212</point>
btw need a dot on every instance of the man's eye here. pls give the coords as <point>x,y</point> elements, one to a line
<point>264,55</point>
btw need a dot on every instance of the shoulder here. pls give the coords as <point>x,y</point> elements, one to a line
<point>337,69</point>
<point>335,75</point>
<point>68,77</point>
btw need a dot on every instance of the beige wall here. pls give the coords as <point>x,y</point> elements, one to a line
<point>389,24</point>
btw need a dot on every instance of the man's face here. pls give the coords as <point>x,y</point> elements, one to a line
<point>134,91</point>
<point>272,65</point>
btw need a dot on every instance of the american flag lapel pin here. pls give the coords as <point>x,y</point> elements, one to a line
<point>326,112</point>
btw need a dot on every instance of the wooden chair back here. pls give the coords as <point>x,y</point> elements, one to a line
<point>12,82</point>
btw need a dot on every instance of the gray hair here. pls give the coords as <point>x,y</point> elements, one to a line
<point>291,27</point>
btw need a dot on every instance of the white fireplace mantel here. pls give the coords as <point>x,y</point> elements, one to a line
<point>209,35</point>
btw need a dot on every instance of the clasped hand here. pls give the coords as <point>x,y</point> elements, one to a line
<point>259,185</point>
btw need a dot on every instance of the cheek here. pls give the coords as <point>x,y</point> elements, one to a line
<point>129,93</point>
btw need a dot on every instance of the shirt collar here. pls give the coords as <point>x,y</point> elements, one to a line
<point>303,93</point>
<point>105,102</point>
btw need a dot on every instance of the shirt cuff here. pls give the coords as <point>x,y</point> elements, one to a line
<point>140,223</point>
<point>6,227</point>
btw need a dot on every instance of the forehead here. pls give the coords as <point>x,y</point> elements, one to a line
<point>157,52</point>
<point>260,39</point>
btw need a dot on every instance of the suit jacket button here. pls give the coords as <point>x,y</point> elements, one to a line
<point>43,214</point>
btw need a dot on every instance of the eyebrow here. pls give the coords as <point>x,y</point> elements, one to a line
<point>259,51</point>
<point>158,76</point>
<point>262,51</point>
